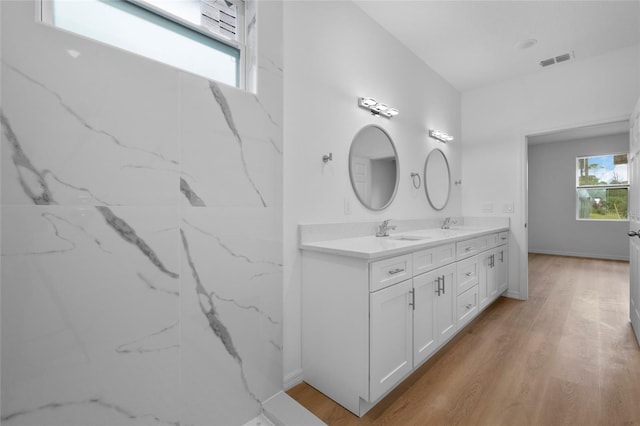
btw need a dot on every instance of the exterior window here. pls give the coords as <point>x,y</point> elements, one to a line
<point>204,37</point>
<point>602,187</point>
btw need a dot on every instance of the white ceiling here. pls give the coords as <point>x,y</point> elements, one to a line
<point>474,43</point>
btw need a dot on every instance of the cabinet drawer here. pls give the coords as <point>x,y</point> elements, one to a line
<point>424,261</point>
<point>466,248</point>
<point>467,271</point>
<point>487,242</point>
<point>467,305</point>
<point>430,259</point>
<point>503,238</point>
<point>446,254</point>
<point>385,272</point>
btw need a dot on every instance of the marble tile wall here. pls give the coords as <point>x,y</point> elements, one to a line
<point>141,234</point>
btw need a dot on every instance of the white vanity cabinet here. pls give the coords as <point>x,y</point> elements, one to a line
<point>368,323</point>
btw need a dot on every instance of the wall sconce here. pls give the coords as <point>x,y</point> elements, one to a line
<point>377,108</point>
<point>440,135</point>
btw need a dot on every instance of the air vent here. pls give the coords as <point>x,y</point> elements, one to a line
<point>548,62</point>
<point>561,58</point>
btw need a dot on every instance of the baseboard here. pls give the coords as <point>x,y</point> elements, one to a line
<point>292,379</point>
<point>513,295</point>
<point>576,254</point>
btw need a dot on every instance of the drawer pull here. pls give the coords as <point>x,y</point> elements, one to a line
<point>503,238</point>
<point>469,274</point>
<point>469,305</point>
<point>468,249</point>
<point>396,271</point>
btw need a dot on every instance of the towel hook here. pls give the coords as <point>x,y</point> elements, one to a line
<point>415,175</point>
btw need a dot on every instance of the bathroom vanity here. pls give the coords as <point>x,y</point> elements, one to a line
<point>375,308</point>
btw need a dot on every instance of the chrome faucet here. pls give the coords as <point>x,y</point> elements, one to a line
<point>448,221</point>
<point>384,228</point>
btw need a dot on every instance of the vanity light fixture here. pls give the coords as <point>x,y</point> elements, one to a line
<point>377,108</point>
<point>440,135</point>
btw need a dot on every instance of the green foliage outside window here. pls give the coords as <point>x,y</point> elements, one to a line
<point>602,187</point>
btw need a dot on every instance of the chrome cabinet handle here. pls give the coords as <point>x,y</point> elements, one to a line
<point>469,305</point>
<point>634,233</point>
<point>469,274</point>
<point>438,283</point>
<point>443,284</point>
<point>396,271</point>
<point>468,249</point>
<point>412,303</point>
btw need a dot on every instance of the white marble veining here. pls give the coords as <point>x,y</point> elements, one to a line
<point>90,321</point>
<point>141,233</point>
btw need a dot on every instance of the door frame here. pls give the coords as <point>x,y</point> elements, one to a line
<point>522,234</point>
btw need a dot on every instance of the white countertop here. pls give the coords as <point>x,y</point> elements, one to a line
<point>372,247</point>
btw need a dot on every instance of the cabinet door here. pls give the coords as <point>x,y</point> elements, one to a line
<point>484,275</point>
<point>492,277</point>
<point>424,330</point>
<point>502,265</point>
<point>391,335</point>
<point>445,304</point>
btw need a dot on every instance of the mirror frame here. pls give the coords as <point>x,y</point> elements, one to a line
<point>395,153</point>
<point>426,186</point>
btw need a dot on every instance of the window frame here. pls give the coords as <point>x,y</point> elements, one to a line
<point>601,187</point>
<point>44,14</point>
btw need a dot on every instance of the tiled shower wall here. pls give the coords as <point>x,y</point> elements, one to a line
<point>141,233</point>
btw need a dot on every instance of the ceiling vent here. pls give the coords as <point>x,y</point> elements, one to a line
<point>547,62</point>
<point>561,58</point>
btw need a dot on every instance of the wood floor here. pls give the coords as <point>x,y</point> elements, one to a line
<point>565,356</point>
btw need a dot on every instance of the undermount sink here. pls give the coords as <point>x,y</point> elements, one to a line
<point>409,237</point>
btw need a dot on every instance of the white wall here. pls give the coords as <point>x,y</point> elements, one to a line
<point>496,120</point>
<point>553,227</point>
<point>334,53</point>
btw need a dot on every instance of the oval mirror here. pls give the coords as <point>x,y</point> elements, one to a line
<point>437,179</point>
<point>373,167</point>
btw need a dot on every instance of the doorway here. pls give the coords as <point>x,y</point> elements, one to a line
<point>552,223</point>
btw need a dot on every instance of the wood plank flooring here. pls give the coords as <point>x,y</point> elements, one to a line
<point>565,356</point>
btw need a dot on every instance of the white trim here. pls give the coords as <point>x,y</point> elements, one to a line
<point>523,232</point>
<point>513,295</point>
<point>540,132</point>
<point>44,14</point>
<point>576,254</point>
<point>601,220</point>
<point>293,378</point>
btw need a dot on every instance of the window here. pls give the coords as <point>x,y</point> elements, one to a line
<point>602,187</point>
<point>205,37</point>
